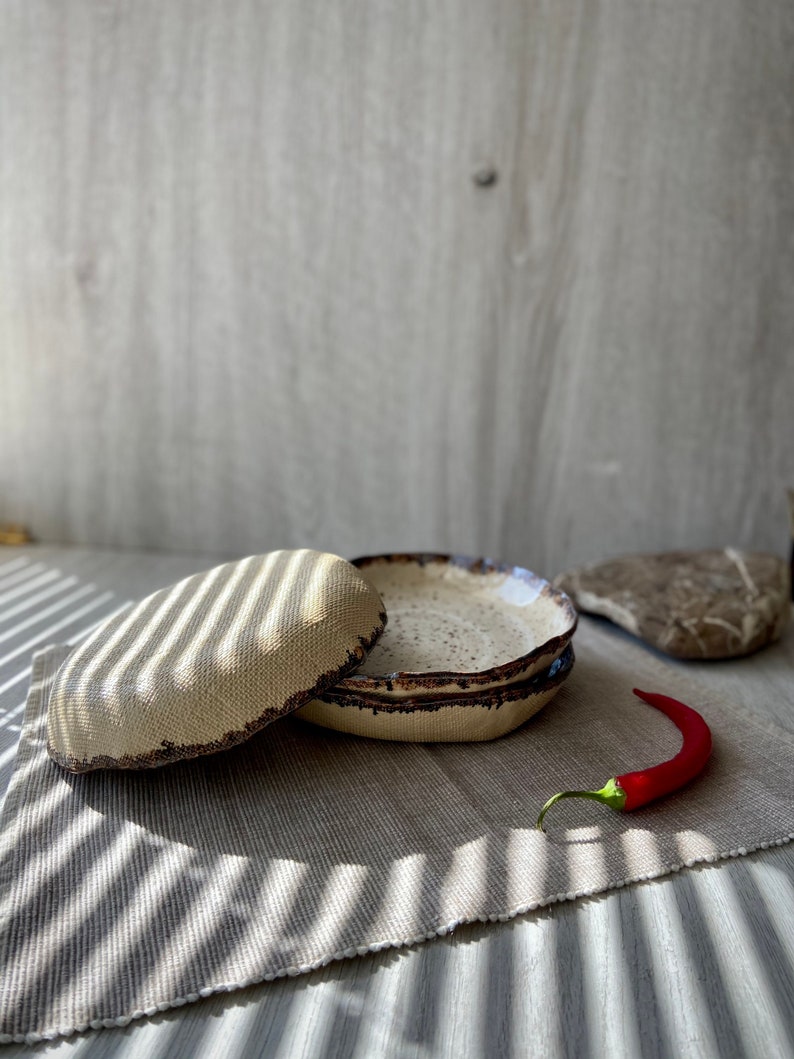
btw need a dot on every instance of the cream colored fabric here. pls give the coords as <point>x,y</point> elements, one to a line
<point>202,665</point>
<point>127,892</point>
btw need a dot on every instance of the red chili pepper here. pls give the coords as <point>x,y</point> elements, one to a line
<point>635,789</point>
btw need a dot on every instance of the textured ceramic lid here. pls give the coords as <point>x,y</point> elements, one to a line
<point>206,663</point>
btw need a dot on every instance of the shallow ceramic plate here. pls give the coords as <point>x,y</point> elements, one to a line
<point>464,718</point>
<point>459,624</point>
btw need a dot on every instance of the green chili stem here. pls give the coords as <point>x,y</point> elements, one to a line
<point>610,794</point>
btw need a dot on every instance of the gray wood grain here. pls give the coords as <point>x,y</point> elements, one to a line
<point>257,288</point>
<point>700,963</point>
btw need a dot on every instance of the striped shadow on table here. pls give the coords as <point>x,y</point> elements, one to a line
<point>129,893</point>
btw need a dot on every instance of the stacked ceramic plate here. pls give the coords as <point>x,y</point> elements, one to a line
<point>472,650</point>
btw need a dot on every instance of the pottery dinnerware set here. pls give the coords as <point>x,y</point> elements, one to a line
<point>401,647</point>
<point>472,650</point>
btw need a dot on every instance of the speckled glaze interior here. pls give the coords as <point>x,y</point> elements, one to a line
<point>457,624</point>
<point>466,717</point>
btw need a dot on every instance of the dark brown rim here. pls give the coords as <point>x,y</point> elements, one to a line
<point>407,680</point>
<point>490,698</point>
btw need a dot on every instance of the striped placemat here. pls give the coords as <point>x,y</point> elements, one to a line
<point>124,894</point>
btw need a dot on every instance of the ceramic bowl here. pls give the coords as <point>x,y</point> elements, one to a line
<point>202,665</point>
<point>473,716</point>
<point>458,624</point>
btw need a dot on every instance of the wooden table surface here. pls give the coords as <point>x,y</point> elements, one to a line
<point>700,963</point>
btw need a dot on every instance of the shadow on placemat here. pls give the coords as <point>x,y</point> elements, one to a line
<point>129,892</point>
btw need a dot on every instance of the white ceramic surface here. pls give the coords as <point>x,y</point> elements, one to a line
<point>457,624</point>
<point>475,716</point>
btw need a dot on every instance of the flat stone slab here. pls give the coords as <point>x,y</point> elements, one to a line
<point>699,604</point>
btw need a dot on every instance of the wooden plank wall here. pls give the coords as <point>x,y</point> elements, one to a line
<point>507,277</point>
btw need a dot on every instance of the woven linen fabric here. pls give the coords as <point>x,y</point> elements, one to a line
<point>201,665</point>
<point>125,893</point>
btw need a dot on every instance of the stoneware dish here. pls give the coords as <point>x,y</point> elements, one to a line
<point>469,717</point>
<point>458,624</point>
<point>204,664</point>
